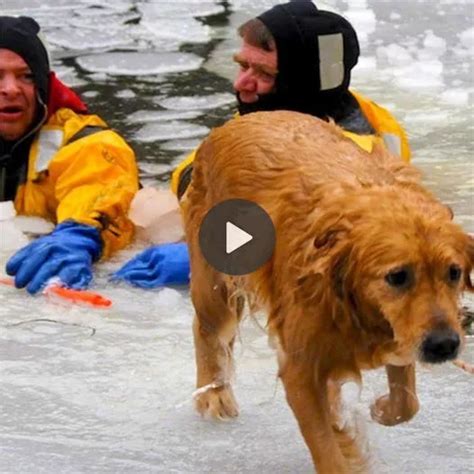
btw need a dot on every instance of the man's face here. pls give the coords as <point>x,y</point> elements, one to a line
<point>17,96</point>
<point>257,73</point>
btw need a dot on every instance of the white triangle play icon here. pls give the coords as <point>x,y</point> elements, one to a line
<point>235,237</point>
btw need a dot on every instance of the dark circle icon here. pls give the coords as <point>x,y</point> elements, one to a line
<point>237,237</point>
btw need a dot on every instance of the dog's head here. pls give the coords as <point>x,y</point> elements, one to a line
<point>398,269</point>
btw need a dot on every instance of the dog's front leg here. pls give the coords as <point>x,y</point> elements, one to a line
<point>214,396</point>
<point>401,403</point>
<point>214,329</point>
<point>309,401</point>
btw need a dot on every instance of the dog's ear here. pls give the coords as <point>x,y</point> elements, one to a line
<point>326,258</point>
<point>332,254</point>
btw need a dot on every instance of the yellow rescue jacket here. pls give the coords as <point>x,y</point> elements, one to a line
<point>78,169</point>
<point>387,130</point>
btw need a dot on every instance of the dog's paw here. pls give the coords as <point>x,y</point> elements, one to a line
<point>389,412</point>
<point>216,402</point>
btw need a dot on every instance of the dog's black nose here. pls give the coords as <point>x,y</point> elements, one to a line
<point>440,345</point>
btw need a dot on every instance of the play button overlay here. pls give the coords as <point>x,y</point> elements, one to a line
<point>237,237</point>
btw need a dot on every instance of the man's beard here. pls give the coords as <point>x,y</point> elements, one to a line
<point>265,103</point>
<point>335,104</point>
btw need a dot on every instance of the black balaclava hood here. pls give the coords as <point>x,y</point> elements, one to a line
<point>20,35</point>
<point>316,51</point>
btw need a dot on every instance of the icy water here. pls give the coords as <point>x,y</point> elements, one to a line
<point>85,390</point>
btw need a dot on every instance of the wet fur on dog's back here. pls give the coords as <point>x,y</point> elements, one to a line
<point>367,271</point>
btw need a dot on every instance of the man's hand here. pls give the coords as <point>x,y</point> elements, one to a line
<point>67,253</point>
<point>160,265</point>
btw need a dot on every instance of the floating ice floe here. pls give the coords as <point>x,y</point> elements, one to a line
<point>147,116</point>
<point>98,77</point>
<point>394,55</point>
<point>457,97</point>
<point>433,46</point>
<point>179,9</point>
<point>407,72</point>
<point>186,30</point>
<point>422,118</point>
<point>181,145</point>
<point>125,94</point>
<point>467,38</point>
<point>361,17</point>
<point>206,102</point>
<point>153,169</point>
<point>98,7</point>
<point>87,39</point>
<point>139,64</point>
<point>249,5</point>
<point>422,75</point>
<point>35,7</point>
<point>465,48</point>
<point>90,94</point>
<point>152,132</point>
<point>69,76</point>
<point>115,21</point>
<point>366,66</point>
<point>117,6</point>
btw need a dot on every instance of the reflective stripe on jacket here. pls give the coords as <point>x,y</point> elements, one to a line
<point>88,177</point>
<point>382,121</point>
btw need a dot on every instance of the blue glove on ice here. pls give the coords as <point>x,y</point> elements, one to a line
<point>160,265</point>
<point>66,253</point>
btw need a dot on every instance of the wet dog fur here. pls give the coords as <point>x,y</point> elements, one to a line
<point>367,271</point>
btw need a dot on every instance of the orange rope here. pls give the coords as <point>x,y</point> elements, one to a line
<point>75,296</point>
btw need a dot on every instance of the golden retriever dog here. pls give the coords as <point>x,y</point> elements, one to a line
<point>367,271</point>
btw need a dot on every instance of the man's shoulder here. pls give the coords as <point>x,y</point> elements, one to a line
<point>76,126</point>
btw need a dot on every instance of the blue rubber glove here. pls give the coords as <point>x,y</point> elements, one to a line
<point>67,253</point>
<point>160,265</point>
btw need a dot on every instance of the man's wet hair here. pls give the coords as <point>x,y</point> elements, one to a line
<point>255,33</point>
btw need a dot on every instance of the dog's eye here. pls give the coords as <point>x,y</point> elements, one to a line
<point>400,278</point>
<point>454,273</point>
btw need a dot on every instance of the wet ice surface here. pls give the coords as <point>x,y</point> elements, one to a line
<point>85,390</point>
<point>110,391</point>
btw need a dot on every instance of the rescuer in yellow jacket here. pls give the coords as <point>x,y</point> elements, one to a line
<point>60,163</point>
<point>293,57</point>
<point>385,129</point>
